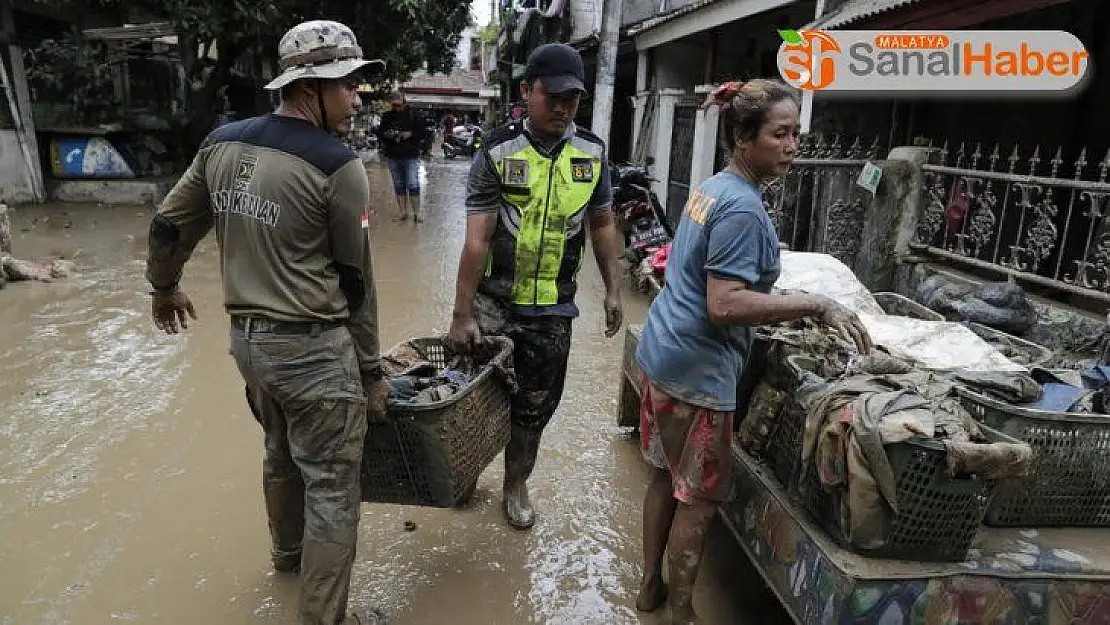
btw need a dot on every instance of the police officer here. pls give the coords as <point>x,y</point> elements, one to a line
<point>534,192</point>
<point>288,201</point>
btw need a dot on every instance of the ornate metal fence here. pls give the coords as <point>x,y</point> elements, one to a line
<point>817,207</point>
<point>1024,221</point>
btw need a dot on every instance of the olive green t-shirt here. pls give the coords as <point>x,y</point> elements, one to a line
<point>289,205</point>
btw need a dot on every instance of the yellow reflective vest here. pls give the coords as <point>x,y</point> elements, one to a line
<point>538,246</point>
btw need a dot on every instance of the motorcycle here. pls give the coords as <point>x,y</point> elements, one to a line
<point>464,141</point>
<point>647,234</point>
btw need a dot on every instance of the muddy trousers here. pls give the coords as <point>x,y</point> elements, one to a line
<point>540,357</point>
<point>305,389</point>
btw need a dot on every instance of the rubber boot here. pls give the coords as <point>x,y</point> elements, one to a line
<point>520,460</point>
<point>414,206</point>
<point>402,207</point>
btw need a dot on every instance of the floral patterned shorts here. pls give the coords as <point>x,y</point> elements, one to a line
<point>692,443</point>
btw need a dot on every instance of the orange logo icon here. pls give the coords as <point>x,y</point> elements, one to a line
<point>805,61</point>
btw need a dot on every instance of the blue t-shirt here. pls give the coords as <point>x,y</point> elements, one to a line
<point>724,232</point>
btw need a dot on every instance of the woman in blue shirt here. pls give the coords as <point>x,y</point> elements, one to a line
<point>722,265</point>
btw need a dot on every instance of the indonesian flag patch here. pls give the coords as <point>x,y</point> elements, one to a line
<point>364,219</point>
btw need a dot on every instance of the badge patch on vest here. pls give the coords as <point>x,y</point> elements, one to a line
<point>516,172</point>
<point>581,170</point>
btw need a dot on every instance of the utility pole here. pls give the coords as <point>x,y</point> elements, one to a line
<point>606,68</point>
<point>807,96</point>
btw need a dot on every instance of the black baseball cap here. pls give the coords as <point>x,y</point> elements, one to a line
<point>558,66</point>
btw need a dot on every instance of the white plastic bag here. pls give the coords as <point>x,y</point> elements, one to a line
<point>825,275</point>
<point>935,345</point>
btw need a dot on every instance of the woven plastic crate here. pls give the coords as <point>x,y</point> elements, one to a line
<point>1019,350</point>
<point>432,454</point>
<point>1069,480</point>
<point>902,306</point>
<point>784,448</point>
<point>938,516</point>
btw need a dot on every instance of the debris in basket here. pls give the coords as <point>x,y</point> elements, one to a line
<point>419,381</point>
<point>410,526</point>
<point>852,421</point>
<point>1083,391</point>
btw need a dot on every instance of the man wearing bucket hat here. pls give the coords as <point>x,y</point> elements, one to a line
<point>289,205</point>
<point>534,192</point>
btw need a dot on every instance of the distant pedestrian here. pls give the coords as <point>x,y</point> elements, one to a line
<point>402,137</point>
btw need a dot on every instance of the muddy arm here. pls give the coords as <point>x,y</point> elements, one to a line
<point>607,248</point>
<point>739,249</point>
<point>184,218</point>
<point>483,197</point>
<point>349,235</point>
<point>607,242</point>
<point>479,230</point>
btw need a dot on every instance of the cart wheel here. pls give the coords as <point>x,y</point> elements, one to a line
<point>628,406</point>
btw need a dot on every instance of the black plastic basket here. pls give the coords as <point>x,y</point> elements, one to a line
<point>432,454</point>
<point>1068,483</point>
<point>938,516</point>
<point>783,452</point>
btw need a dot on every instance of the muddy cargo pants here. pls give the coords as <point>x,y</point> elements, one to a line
<point>304,386</point>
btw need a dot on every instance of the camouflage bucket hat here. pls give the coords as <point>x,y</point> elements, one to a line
<point>319,49</point>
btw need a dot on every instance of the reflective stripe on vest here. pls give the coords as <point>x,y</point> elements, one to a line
<point>543,207</point>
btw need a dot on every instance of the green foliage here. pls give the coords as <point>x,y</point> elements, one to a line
<point>405,33</point>
<point>76,74</point>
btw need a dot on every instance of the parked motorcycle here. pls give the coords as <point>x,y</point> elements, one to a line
<point>642,222</point>
<point>465,141</point>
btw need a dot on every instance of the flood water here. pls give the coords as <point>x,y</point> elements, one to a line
<point>130,467</point>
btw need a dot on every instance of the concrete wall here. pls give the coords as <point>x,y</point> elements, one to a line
<point>680,65</point>
<point>635,11</point>
<point>15,187</point>
<point>585,17</point>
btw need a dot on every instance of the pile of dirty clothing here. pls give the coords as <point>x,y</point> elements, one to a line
<point>854,407</point>
<point>1084,391</point>
<point>850,422</point>
<point>413,379</point>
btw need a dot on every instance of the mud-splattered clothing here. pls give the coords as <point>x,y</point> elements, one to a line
<point>725,233</point>
<point>306,391</point>
<point>540,356</point>
<point>288,202</point>
<point>691,443</point>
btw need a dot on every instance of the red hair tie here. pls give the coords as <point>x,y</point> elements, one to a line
<point>723,94</point>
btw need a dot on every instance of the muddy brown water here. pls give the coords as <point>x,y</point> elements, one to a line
<point>130,467</point>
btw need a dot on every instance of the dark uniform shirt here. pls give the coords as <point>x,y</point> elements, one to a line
<point>401,121</point>
<point>289,204</point>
